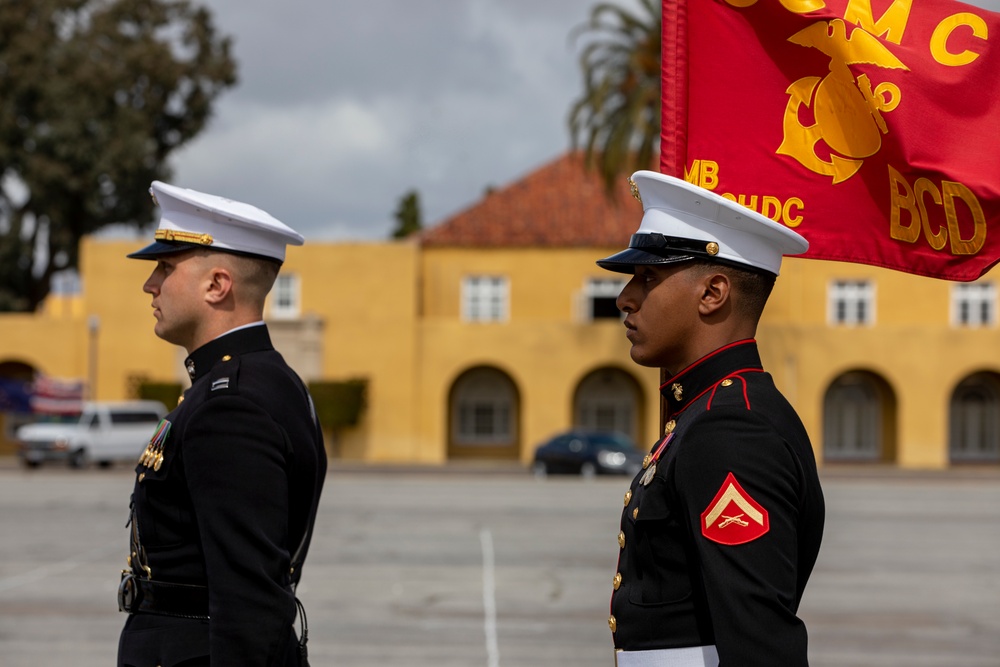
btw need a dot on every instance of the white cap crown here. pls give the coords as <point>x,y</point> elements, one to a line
<point>683,221</point>
<point>192,218</point>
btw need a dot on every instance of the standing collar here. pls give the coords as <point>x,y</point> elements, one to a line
<point>687,386</point>
<point>238,341</point>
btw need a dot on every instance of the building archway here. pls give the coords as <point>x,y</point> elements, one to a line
<point>859,419</point>
<point>974,420</point>
<point>15,406</point>
<point>609,400</point>
<point>483,415</point>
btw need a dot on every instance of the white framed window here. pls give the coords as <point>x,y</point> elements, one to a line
<point>65,283</point>
<point>974,305</point>
<point>851,303</point>
<point>485,299</point>
<point>599,298</point>
<point>286,298</point>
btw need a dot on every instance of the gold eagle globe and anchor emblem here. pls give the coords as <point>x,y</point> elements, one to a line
<point>847,111</point>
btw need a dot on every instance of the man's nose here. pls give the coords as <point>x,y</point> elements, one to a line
<point>625,300</point>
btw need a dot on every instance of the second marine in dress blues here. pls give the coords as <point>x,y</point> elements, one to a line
<point>720,530</point>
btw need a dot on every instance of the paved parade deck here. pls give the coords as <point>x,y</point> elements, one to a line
<point>466,567</point>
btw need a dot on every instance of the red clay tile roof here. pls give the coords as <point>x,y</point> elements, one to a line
<point>561,204</point>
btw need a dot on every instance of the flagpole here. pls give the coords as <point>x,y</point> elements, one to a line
<point>673,107</point>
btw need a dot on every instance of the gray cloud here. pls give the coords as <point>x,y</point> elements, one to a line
<point>343,106</point>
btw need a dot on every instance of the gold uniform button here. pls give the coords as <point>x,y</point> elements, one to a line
<point>226,358</point>
<point>669,427</point>
<point>617,581</point>
<point>621,540</point>
<point>646,461</point>
<point>726,382</point>
<point>628,497</point>
<point>612,623</point>
<point>635,513</point>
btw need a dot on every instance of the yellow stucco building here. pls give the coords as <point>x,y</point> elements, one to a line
<point>495,329</point>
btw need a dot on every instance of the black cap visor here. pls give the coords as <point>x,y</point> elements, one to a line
<point>626,260</point>
<point>161,248</point>
<point>654,248</point>
<point>158,249</point>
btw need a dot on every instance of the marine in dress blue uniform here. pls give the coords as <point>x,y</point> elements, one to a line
<point>226,492</point>
<point>721,529</point>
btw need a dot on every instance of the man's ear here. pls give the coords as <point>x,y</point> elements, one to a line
<point>716,293</point>
<point>220,286</point>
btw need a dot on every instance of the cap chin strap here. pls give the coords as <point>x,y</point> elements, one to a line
<point>674,247</point>
<point>652,241</point>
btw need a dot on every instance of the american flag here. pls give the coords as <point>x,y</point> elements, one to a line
<point>59,397</point>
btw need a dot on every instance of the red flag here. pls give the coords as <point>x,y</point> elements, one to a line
<point>871,127</point>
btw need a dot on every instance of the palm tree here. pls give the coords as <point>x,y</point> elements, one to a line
<point>617,118</point>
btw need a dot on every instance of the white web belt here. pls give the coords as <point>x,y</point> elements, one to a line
<point>693,656</point>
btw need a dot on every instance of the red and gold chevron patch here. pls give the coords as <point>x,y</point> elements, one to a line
<point>733,517</point>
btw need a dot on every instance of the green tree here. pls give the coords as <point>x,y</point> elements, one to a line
<point>617,117</point>
<point>408,218</point>
<point>94,96</point>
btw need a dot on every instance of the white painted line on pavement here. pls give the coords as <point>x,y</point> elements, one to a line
<point>489,599</point>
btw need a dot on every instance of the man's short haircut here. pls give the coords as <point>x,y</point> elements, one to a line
<point>751,289</point>
<point>254,276</point>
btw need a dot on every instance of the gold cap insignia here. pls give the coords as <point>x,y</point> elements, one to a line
<point>183,237</point>
<point>712,248</point>
<point>634,189</point>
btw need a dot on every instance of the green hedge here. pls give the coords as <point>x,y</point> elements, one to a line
<point>339,404</point>
<point>164,392</point>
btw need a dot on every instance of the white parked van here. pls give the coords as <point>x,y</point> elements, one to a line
<point>103,432</point>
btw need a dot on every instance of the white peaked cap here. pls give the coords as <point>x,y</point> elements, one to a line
<point>189,218</point>
<point>682,221</point>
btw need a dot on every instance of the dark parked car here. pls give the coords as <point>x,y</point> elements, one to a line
<point>588,453</point>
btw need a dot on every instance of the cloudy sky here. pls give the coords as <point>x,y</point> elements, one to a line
<point>345,105</point>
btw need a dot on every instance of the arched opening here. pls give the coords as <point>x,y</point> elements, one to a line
<point>859,419</point>
<point>483,415</point>
<point>608,400</point>
<point>15,400</point>
<point>974,420</point>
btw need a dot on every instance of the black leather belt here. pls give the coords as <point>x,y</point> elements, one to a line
<point>137,595</point>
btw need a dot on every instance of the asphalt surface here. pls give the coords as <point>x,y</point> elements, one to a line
<point>472,566</point>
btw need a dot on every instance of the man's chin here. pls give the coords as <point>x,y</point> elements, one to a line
<point>164,333</point>
<point>641,359</point>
